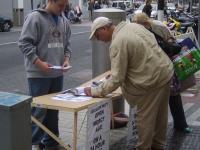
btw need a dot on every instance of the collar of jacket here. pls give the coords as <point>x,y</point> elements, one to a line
<point>118,28</point>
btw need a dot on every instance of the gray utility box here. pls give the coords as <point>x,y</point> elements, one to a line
<point>15,121</point>
<point>100,50</point>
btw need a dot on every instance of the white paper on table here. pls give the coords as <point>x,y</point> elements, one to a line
<point>60,67</point>
<point>70,97</point>
<point>79,91</point>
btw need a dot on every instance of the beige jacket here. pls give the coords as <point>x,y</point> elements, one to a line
<point>138,64</point>
<point>161,29</point>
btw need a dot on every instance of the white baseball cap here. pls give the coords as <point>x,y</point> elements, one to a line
<point>98,23</point>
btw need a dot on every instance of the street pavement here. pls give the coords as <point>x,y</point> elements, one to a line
<point>83,73</point>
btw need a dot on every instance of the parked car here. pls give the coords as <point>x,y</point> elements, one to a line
<point>124,5</point>
<point>5,24</point>
<point>171,6</point>
<point>154,12</point>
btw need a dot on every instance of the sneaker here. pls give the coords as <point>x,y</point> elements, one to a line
<point>38,147</point>
<point>187,130</point>
<point>184,130</point>
<point>35,147</point>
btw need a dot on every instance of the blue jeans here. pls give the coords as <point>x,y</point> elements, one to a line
<point>38,87</point>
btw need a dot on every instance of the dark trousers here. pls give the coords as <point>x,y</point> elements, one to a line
<point>38,87</point>
<point>177,111</point>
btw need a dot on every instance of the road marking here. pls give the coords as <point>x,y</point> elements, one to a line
<point>8,43</point>
<point>194,116</point>
<point>195,123</point>
<point>1,44</point>
<point>80,33</point>
<point>187,106</point>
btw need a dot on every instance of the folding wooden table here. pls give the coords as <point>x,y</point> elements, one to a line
<point>47,102</point>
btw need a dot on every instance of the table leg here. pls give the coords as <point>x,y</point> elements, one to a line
<point>75,131</point>
<point>39,124</point>
<point>112,117</point>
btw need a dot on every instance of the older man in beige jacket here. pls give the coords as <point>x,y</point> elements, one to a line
<point>143,71</point>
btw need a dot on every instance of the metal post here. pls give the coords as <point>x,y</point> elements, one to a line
<point>199,25</point>
<point>80,4</point>
<point>161,4</point>
<point>31,4</point>
<point>19,17</point>
<point>191,6</point>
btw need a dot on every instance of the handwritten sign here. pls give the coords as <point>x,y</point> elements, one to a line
<point>132,137</point>
<point>98,126</point>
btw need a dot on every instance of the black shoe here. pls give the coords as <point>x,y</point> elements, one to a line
<point>184,130</point>
<point>40,146</point>
<point>187,130</point>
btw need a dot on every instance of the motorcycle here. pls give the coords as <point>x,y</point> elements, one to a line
<point>74,15</point>
<point>180,21</point>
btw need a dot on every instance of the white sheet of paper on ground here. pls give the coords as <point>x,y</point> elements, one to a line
<point>60,67</point>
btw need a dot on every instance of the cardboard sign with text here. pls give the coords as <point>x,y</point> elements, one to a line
<point>98,126</point>
<point>132,137</point>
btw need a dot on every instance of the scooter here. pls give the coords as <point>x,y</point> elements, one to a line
<point>183,20</point>
<point>73,17</point>
<point>180,21</point>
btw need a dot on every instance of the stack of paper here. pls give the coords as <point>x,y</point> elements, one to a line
<point>60,67</point>
<point>73,95</point>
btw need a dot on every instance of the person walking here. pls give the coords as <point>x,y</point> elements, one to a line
<point>175,101</point>
<point>44,41</point>
<point>143,71</point>
<point>147,8</point>
<point>91,9</point>
<point>96,5</point>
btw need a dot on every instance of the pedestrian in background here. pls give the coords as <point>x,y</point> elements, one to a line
<point>96,5</point>
<point>44,41</point>
<point>175,101</point>
<point>90,8</point>
<point>143,71</point>
<point>147,8</point>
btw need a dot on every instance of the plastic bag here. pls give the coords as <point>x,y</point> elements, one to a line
<point>187,62</point>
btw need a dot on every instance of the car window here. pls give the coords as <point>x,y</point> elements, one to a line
<point>171,6</point>
<point>128,4</point>
<point>121,4</point>
<point>154,6</point>
<point>114,5</point>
